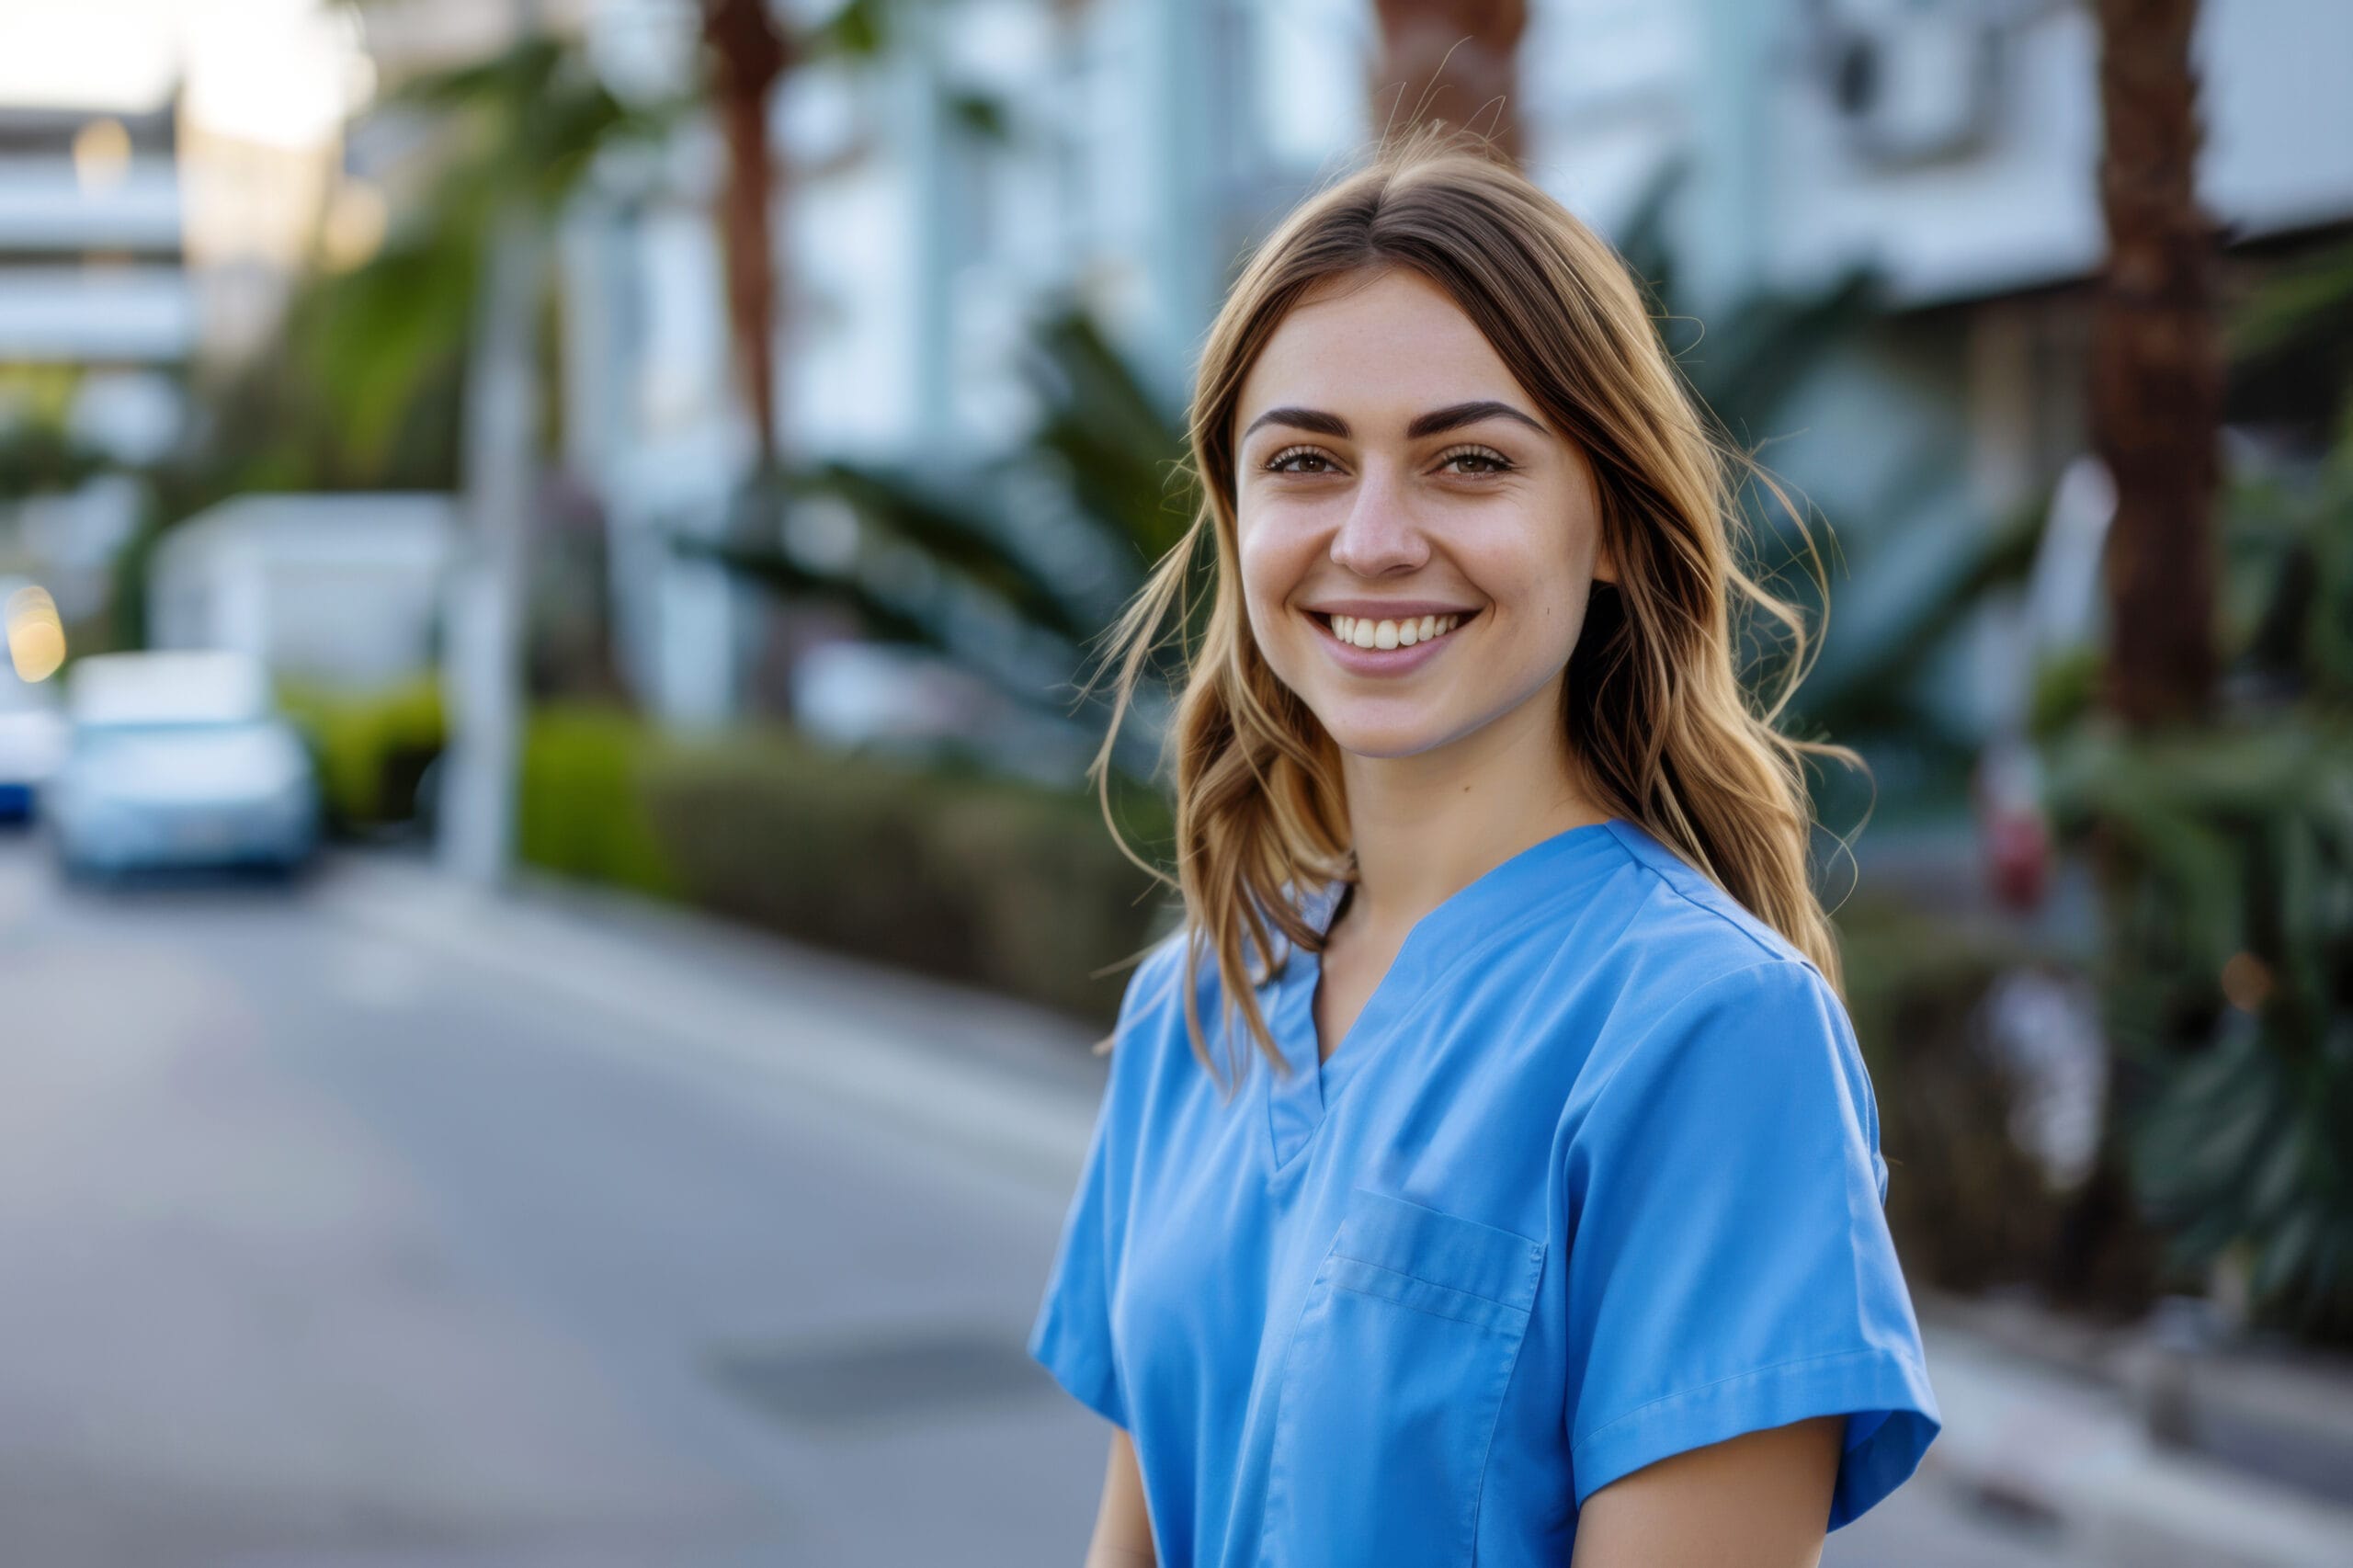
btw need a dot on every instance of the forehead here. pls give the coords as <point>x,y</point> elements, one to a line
<point>1370,345</point>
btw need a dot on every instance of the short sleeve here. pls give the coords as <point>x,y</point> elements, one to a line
<point>1730,1268</point>
<point>1071,1334</point>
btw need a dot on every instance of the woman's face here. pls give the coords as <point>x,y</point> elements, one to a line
<point>1395,481</point>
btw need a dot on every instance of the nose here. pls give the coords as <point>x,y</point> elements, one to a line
<point>1379,536</point>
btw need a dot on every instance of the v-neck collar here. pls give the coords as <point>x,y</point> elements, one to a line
<point>1521,885</point>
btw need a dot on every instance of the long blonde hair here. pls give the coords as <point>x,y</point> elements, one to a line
<point>1658,721</point>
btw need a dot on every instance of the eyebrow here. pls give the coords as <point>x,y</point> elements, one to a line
<point>1438,421</point>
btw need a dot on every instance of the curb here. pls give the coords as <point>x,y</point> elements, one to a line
<point>2070,1451</point>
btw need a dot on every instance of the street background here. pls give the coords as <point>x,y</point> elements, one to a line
<point>553,909</point>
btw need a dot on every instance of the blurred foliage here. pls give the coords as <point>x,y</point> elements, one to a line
<point>973,879</point>
<point>2228,982</point>
<point>2230,989</point>
<point>948,871</point>
<point>2291,342</point>
<point>1908,590</point>
<point>371,747</point>
<point>1120,448</point>
<point>1969,1208</point>
<point>41,456</point>
<point>515,133</point>
<point>365,387</point>
<point>583,804</point>
<point>927,543</point>
<point>2227,853</point>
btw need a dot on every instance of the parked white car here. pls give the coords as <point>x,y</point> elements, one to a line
<point>177,759</point>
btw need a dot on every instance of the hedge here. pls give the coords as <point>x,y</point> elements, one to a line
<point>371,747</point>
<point>974,879</point>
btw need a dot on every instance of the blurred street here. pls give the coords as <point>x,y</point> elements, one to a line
<point>378,1224</point>
<point>325,1249</point>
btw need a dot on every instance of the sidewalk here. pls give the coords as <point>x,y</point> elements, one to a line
<point>1012,1085</point>
<point>2070,1455</point>
<point>2279,1411</point>
<point>2045,1423</point>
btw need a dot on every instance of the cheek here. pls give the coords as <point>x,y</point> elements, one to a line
<point>1540,587</point>
<point>1271,567</point>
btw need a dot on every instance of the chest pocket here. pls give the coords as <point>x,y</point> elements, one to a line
<point>1392,1386</point>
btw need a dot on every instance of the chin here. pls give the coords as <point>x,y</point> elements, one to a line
<point>1386,736</point>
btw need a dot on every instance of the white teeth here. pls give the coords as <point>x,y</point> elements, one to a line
<point>1363,632</point>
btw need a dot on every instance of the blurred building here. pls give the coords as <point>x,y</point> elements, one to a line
<point>1952,146</point>
<point>98,317</point>
<point>90,261</point>
<point>337,589</point>
<point>161,169</point>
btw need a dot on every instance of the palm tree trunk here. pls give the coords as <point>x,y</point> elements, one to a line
<point>749,54</point>
<point>2157,405</point>
<point>1454,60</point>
<point>2156,380</point>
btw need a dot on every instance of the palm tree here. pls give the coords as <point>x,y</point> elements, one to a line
<point>2156,380</point>
<point>1018,617</point>
<point>468,277</point>
<point>1454,60</point>
<point>2201,838</point>
<point>749,54</point>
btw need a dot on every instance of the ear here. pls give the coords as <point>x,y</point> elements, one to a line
<point>1605,564</point>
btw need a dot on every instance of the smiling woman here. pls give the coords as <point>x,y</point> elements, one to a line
<point>1488,1170</point>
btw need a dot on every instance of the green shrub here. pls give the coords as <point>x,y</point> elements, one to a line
<point>972,878</point>
<point>580,801</point>
<point>969,877</point>
<point>371,746</point>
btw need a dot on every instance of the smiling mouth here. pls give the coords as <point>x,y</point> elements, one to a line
<point>1364,632</point>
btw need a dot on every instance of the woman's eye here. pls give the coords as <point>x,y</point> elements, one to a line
<point>1494,462</point>
<point>1280,463</point>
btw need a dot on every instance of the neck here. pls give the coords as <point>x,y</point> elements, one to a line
<point>1426,827</point>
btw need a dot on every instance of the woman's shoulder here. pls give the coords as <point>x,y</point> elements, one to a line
<point>1698,984</point>
<point>1153,1007</point>
<point>1152,987</point>
<point>1152,1033</point>
<point>1680,931</point>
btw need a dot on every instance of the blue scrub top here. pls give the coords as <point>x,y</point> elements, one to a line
<point>1593,1180</point>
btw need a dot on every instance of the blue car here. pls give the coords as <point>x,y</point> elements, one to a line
<point>178,760</point>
